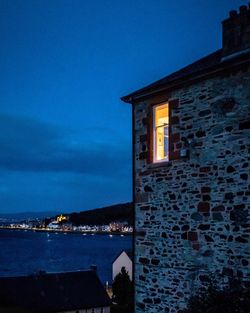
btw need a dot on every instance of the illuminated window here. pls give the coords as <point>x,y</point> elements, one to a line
<point>161,132</point>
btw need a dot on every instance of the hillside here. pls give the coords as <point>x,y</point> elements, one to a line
<point>103,216</point>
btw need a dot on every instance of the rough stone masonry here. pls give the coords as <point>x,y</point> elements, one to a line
<point>191,213</point>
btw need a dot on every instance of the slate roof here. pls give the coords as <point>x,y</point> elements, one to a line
<point>55,292</point>
<point>205,65</point>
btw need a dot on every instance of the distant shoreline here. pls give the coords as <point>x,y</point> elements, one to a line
<point>65,231</point>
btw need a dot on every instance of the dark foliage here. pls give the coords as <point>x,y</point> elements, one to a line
<point>104,216</point>
<point>121,308</point>
<point>234,298</point>
<point>123,289</point>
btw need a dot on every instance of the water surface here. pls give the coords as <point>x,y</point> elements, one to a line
<point>25,252</point>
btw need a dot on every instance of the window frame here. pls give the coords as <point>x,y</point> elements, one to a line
<point>154,127</point>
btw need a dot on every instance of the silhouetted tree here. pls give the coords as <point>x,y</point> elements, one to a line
<point>123,288</point>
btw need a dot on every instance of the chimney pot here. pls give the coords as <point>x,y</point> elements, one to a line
<point>233,13</point>
<point>236,36</point>
<point>243,9</point>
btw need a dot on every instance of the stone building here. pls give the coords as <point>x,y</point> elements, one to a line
<point>191,135</point>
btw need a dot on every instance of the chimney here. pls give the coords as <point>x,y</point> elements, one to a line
<point>236,32</point>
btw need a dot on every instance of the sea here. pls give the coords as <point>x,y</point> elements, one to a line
<point>28,252</point>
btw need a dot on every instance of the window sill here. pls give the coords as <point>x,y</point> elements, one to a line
<point>160,164</point>
<point>166,163</point>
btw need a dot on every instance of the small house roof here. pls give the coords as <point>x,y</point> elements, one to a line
<point>54,292</point>
<point>128,252</point>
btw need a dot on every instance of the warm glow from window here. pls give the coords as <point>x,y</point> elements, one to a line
<point>160,133</point>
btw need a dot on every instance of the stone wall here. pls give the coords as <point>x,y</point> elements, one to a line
<point>191,213</point>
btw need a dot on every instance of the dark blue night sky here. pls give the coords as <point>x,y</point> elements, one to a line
<point>65,136</point>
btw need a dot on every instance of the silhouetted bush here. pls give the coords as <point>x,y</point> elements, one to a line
<point>122,293</point>
<point>234,298</point>
<point>122,288</point>
<point>121,308</point>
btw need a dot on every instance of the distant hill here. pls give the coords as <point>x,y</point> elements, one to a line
<point>104,216</point>
<point>27,215</point>
<point>100,216</point>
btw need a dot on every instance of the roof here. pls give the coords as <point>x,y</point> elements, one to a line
<point>128,252</point>
<point>203,66</point>
<point>54,292</point>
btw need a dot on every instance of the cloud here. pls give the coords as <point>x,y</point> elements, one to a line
<point>30,145</point>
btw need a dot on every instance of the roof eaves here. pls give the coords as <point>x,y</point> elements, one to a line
<point>192,69</point>
<point>186,76</point>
